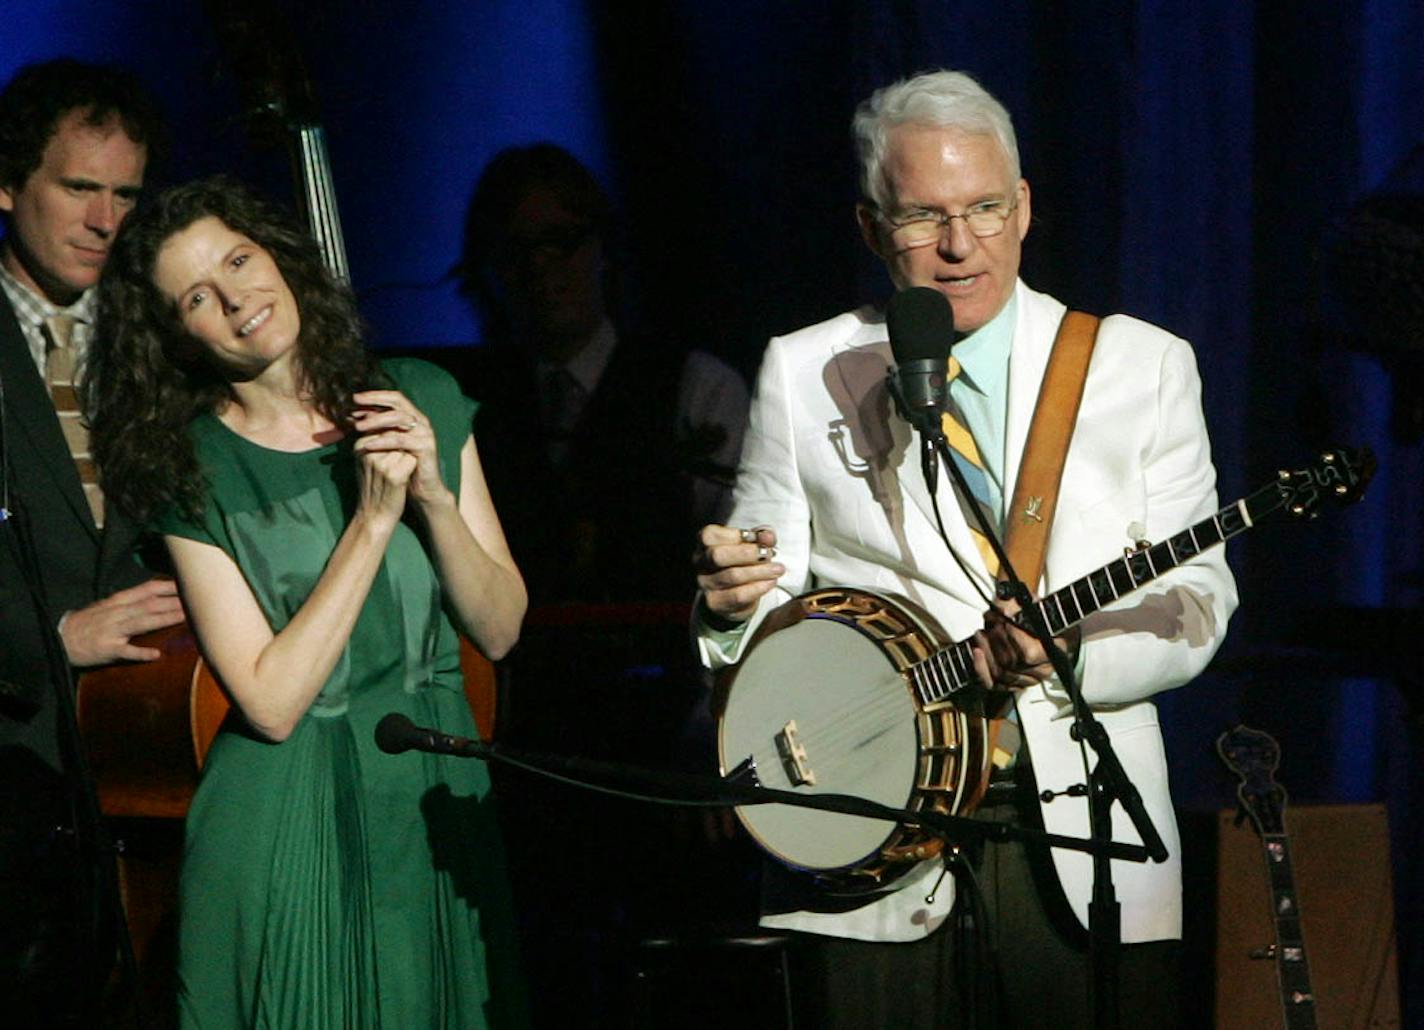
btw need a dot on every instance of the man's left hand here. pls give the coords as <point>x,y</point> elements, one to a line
<point>103,632</point>
<point>1007,657</point>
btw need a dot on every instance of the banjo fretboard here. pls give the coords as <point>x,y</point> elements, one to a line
<point>1340,474</point>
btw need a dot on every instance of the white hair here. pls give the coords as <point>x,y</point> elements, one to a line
<point>941,99</point>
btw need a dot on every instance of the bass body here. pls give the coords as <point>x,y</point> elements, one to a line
<point>147,727</point>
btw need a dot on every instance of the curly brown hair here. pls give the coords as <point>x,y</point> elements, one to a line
<point>146,380</point>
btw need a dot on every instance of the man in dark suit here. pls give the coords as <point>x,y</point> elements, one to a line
<point>607,443</point>
<point>74,146</point>
<point>603,445</point>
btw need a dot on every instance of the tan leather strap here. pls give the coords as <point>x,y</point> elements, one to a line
<point>1030,517</point>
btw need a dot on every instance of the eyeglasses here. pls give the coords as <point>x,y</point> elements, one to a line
<point>926,227</point>
<point>551,242</point>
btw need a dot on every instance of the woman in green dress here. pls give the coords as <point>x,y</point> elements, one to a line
<point>331,531</point>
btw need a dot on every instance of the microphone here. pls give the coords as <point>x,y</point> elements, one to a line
<point>395,733</point>
<point>921,326</point>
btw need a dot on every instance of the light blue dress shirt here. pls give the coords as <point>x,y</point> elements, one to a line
<point>980,393</point>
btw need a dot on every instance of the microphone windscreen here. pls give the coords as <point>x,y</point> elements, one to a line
<point>921,324</point>
<point>395,733</point>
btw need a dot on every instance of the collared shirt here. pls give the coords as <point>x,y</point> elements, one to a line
<point>980,393</point>
<point>710,395</point>
<point>31,310</point>
<point>565,387</point>
<point>586,368</point>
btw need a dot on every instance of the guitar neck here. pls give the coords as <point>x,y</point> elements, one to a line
<point>1292,968</point>
<point>951,669</point>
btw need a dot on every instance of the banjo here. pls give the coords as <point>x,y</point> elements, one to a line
<point>845,691</point>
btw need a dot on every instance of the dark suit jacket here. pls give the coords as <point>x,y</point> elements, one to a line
<point>613,523</point>
<point>46,884</point>
<point>79,564</point>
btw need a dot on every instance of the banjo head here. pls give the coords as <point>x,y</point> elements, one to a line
<point>820,706</point>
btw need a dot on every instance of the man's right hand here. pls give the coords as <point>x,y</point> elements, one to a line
<point>103,631</point>
<point>735,569</point>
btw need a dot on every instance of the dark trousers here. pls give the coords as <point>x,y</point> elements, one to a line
<point>1025,964</point>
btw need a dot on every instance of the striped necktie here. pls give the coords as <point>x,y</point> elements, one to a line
<point>564,400</point>
<point>1005,734</point>
<point>966,456</point>
<point>59,373</point>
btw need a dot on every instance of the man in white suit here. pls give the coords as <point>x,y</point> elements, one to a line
<point>829,492</point>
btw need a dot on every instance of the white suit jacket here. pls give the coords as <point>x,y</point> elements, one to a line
<point>835,471</point>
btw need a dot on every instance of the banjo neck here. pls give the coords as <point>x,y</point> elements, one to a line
<point>1254,755</point>
<point>1341,475</point>
<point>1292,967</point>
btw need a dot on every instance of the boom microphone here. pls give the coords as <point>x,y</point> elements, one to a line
<point>395,733</point>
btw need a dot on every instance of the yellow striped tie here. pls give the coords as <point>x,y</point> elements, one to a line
<point>1005,734</point>
<point>59,372</point>
<point>966,454</point>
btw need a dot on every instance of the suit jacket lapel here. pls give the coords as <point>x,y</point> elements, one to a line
<point>30,417</point>
<point>118,565</point>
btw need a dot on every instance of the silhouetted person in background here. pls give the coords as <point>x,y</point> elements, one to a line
<point>605,448</point>
<point>611,444</point>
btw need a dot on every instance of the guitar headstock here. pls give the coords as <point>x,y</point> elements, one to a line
<point>1254,756</point>
<point>1340,475</point>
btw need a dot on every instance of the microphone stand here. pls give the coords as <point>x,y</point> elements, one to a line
<point>694,788</point>
<point>1106,782</point>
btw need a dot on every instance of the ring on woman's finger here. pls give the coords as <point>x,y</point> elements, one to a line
<point>748,535</point>
<point>408,425</point>
<point>764,553</point>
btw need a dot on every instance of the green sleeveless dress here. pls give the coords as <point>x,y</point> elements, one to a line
<point>325,883</point>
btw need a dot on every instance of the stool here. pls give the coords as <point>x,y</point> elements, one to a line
<point>711,979</point>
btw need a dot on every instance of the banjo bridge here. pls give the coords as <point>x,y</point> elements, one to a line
<point>793,756</point>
